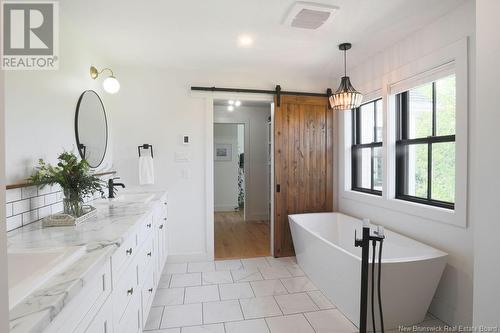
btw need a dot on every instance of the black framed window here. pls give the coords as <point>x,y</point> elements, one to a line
<point>366,150</point>
<point>425,143</point>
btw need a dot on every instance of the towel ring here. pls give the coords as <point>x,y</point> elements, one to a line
<point>145,146</point>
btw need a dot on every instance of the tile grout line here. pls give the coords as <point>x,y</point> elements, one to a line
<point>267,324</point>
<point>305,317</point>
<point>161,318</point>
<point>241,309</point>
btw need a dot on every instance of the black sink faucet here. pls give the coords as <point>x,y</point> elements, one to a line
<point>112,185</point>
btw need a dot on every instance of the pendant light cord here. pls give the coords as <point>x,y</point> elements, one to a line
<point>345,66</point>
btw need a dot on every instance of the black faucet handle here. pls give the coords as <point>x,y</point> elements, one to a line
<point>115,178</point>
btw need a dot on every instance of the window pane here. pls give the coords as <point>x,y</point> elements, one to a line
<point>380,121</point>
<point>443,171</point>
<point>445,106</point>
<point>420,112</point>
<point>377,168</point>
<point>417,171</point>
<point>367,122</point>
<point>363,157</point>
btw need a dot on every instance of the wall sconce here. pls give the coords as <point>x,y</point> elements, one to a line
<point>110,84</point>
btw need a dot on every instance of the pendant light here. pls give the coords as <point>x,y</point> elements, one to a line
<point>346,97</point>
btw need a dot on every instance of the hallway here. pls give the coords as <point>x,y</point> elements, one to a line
<point>236,238</point>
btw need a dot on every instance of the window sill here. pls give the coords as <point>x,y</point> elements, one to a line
<point>437,214</point>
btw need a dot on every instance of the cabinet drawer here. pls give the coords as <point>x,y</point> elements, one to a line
<point>145,230</point>
<point>148,292</point>
<point>131,321</point>
<point>126,289</point>
<point>123,256</point>
<point>147,258</point>
<point>103,321</point>
<point>77,315</point>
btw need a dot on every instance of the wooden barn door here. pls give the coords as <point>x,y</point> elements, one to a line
<point>303,157</point>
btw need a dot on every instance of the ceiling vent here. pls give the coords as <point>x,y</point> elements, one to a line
<point>309,15</point>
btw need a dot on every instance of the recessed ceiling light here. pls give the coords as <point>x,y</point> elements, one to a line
<point>237,103</point>
<point>230,102</point>
<point>230,108</point>
<point>245,41</point>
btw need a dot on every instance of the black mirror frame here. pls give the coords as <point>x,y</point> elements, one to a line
<point>79,145</point>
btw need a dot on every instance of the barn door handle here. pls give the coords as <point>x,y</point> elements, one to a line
<point>278,188</point>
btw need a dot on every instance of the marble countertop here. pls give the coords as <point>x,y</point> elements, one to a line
<point>100,236</point>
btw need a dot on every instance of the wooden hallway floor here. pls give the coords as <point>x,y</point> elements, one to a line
<point>236,238</point>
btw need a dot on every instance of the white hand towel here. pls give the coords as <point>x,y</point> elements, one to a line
<point>146,170</point>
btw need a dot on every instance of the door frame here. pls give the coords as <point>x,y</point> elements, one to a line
<point>209,160</point>
<point>248,157</point>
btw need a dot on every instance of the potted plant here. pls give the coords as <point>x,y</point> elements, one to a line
<point>73,176</point>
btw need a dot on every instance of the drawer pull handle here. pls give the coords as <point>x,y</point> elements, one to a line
<point>148,225</point>
<point>150,290</point>
<point>161,226</point>
<point>129,251</point>
<point>165,203</point>
<point>130,291</point>
<point>164,219</point>
<point>149,254</point>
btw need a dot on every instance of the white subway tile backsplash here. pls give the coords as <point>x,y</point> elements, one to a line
<point>8,210</point>
<point>19,207</point>
<point>14,222</point>
<point>44,212</point>
<point>56,188</point>
<point>29,204</point>
<point>45,190</point>
<point>29,192</point>
<point>37,202</point>
<point>60,196</point>
<point>56,208</point>
<point>50,199</point>
<point>13,195</point>
<point>30,217</point>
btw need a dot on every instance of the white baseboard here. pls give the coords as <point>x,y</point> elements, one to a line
<point>189,257</point>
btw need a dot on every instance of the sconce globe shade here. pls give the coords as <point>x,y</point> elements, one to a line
<point>111,85</point>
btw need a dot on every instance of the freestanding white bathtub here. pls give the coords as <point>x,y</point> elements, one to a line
<point>324,245</point>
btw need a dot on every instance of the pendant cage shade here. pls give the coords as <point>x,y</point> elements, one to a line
<point>346,97</point>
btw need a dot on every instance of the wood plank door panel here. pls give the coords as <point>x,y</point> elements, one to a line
<point>303,157</point>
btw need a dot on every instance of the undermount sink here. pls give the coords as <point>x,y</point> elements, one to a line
<point>28,269</point>
<point>134,198</point>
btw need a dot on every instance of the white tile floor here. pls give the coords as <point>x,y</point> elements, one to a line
<point>257,295</point>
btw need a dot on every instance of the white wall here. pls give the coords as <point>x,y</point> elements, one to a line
<point>485,215</point>
<point>226,172</point>
<point>453,300</point>
<point>4,294</point>
<point>157,107</point>
<point>40,105</point>
<point>257,177</point>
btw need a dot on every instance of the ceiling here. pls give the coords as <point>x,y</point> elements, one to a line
<point>203,34</point>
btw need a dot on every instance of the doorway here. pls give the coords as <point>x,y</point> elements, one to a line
<point>242,179</point>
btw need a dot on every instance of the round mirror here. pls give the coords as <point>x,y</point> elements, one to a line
<point>91,128</point>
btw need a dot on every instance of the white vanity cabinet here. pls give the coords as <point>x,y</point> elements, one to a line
<point>160,217</point>
<point>119,298</point>
<point>137,286</point>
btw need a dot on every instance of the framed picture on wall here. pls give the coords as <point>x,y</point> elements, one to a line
<point>223,152</point>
